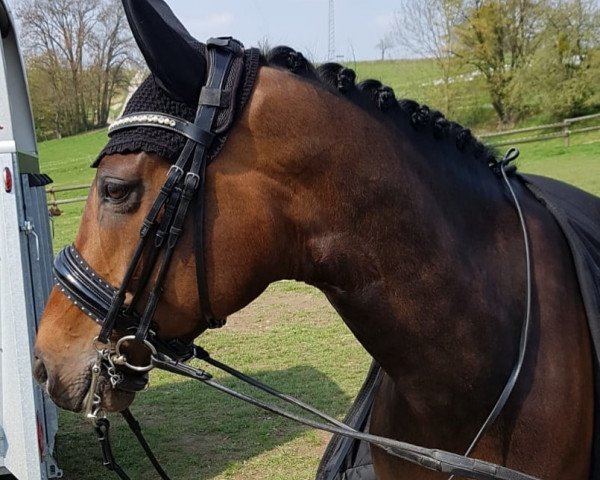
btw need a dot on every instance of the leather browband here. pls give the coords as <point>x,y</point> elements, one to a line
<point>164,121</point>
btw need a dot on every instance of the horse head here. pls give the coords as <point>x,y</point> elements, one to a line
<point>131,171</point>
<point>247,200</point>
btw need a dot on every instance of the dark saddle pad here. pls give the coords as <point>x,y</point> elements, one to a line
<point>346,458</point>
<point>578,215</point>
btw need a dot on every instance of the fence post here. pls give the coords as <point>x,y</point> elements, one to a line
<point>53,208</point>
<point>567,133</point>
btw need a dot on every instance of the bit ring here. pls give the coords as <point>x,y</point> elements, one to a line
<point>135,368</point>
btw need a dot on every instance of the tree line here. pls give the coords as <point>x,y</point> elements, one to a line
<point>534,56</point>
<point>79,54</point>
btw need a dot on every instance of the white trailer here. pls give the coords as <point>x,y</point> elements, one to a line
<point>28,419</point>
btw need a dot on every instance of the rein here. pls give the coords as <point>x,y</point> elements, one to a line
<point>432,459</point>
<point>105,304</point>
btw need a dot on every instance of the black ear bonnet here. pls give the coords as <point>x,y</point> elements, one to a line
<point>178,65</point>
<point>150,97</point>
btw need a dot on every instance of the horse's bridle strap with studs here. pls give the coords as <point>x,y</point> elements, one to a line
<point>166,122</point>
<point>83,286</point>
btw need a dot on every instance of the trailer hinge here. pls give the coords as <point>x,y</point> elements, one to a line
<point>3,443</point>
<point>28,228</point>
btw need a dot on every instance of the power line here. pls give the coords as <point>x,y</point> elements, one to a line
<point>331,52</point>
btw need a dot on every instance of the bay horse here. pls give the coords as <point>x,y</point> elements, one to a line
<point>392,211</point>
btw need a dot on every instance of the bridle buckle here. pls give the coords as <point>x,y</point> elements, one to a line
<point>175,168</point>
<point>195,178</point>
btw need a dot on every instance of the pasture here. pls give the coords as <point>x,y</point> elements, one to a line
<point>290,337</point>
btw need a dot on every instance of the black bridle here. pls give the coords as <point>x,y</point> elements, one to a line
<point>185,181</point>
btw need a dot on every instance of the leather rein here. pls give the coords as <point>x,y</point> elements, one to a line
<point>105,304</point>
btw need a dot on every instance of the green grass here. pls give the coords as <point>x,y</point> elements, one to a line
<point>578,164</point>
<point>469,102</point>
<point>200,433</point>
<point>404,76</point>
<point>67,161</point>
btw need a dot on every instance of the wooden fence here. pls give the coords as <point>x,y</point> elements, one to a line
<point>54,202</point>
<point>562,129</point>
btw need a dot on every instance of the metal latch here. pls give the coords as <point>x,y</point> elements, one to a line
<point>3,443</point>
<point>29,229</point>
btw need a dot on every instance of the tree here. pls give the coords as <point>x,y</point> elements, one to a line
<point>535,55</point>
<point>384,44</point>
<point>264,45</point>
<point>78,49</point>
<point>426,28</point>
<point>110,46</point>
<point>499,39</point>
<point>568,59</point>
<point>51,109</point>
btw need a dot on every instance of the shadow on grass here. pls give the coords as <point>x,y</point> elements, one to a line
<point>198,432</point>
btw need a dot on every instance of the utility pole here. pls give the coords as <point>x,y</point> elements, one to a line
<point>331,53</point>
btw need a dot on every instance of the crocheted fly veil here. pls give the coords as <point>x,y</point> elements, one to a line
<point>150,97</point>
<point>177,63</point>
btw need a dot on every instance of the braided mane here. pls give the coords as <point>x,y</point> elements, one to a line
<point>342,80</point>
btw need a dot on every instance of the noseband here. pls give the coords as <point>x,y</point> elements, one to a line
<point>227,65</point>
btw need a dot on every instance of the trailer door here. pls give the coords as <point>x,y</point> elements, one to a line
<point>28,421</point>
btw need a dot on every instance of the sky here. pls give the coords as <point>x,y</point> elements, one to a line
<point>300,24</point>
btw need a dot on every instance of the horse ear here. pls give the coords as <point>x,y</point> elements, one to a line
<point>174,57</point>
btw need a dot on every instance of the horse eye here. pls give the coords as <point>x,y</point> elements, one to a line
<point>116,192</point>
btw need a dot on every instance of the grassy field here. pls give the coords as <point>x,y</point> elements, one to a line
<point>290,337</point>
<point>419,79</point>
<point>404,76</point>
<point>578,165</point>
<point>67,161</point>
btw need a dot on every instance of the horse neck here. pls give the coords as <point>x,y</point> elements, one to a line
<point>384,228</point>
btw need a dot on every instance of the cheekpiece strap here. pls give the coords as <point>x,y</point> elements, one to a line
<point>166,122</point>
<point>225,62</point>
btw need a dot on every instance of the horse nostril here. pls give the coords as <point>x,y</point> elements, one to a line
<point>39,370</point>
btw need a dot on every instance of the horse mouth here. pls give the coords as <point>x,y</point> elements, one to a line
<point>133,382</point>
<point>118,397</point>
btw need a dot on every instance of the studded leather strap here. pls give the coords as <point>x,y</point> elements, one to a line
<point>164,121</point>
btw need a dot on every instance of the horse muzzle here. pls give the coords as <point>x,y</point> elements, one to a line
<point>113,382</point>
